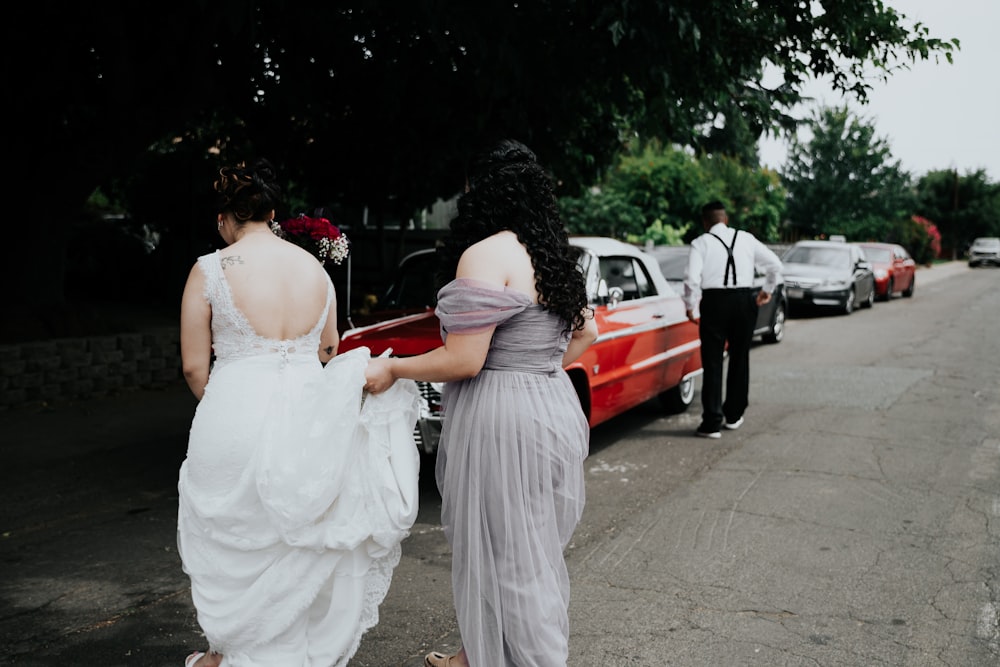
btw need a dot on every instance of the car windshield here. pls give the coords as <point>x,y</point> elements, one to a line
<point>983,244</point>
<point>878,254</point>
<point>835,257</point>
<point>415,285</point>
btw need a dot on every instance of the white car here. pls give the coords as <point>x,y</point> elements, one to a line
<point>985,250</point>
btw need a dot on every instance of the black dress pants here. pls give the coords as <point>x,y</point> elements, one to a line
<point>728,317</point>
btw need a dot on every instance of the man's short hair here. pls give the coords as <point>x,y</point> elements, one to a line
<point>711,207</point>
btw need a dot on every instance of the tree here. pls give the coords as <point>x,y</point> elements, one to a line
<point>963,206</point>
<point>380,103</point>
<point>844,180</point>
<point>755,196</point>
<point>735,134</point>
<point>603,212</point>
<point>657,193</point>
<point>666,183</point>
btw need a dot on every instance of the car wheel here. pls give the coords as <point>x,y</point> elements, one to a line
<point>777,332</point>
<point>890,288</point>
<point>870,301</point>
<point>908,292</point>
<point>848,306</point>
<point>677,399</point>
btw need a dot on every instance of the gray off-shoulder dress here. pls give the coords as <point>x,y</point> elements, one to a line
<point>510,473</point>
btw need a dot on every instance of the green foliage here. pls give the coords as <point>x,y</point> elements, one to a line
<point>379,104</point>
<point>963,206</point>
<point>656,193</point>
<point>646,193</point>
<point>602,213</point>
<point>843,180</point>
<point>328,89</point>
<point>735,134</point>
<point>659,234</point>
<point>755,197</point>
<point>665,182</point>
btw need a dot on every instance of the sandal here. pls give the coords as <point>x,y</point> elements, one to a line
<point>435,659</point>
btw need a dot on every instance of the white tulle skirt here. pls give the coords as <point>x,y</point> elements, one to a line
<point>293,500</point>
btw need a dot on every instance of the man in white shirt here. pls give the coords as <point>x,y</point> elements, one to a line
<point>718,293</point>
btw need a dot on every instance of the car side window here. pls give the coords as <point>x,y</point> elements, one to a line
<point>628,274</point>
<point>414,286</point>
<point>643,280</point>
<point>591,275</point>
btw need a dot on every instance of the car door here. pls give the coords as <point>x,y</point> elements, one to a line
<point>629,364</point>
<point>904,268</point>
<point>864,278</point>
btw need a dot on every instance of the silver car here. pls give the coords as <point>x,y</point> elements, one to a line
<point>985,250</point>
<point>828,274</point>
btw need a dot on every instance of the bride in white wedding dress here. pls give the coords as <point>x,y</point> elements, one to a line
<point>296,492</point>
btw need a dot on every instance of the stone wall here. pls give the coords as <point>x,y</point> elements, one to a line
<point>81,368</point>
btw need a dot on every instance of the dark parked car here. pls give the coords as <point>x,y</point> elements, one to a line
<point>895,271</point>
<point>828,274</point>
<point>770,318</point>
<point>985,250</point>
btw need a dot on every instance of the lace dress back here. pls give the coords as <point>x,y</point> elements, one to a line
<point>233,337</point>
<point>295,494</point>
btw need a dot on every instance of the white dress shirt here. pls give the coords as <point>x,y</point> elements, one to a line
<point>707,263</point>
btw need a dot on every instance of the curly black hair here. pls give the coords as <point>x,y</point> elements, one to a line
<point>509,191</point>
<point>249,193</point>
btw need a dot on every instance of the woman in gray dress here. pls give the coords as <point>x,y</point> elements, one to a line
<point>514,437</point>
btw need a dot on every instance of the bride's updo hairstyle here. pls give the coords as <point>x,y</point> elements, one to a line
<point>250,194</point>
<point>509,190</point>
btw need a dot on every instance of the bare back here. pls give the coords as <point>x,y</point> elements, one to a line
<point>280,288</point>
<point>500,259</point>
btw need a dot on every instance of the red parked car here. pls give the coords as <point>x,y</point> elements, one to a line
<point>646,348</point>
<point>895,271</point>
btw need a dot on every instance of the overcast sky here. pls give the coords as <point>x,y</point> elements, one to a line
<point>934,116</point>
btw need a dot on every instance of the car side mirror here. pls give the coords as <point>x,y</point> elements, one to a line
<point>615,296</point>
<point>611,296</point>
<point>863,265</point>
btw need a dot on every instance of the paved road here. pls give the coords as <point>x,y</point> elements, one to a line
<point>852,521</point>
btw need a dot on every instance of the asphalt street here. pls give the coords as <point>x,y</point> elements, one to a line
<point>853,520</point>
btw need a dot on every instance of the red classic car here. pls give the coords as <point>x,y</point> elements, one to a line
<point>895,271</point>
<point>646,348</point>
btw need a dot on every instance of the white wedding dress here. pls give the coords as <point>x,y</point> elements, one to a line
<point>295,494</point>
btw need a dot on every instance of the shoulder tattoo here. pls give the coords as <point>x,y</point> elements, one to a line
<point>231,260</point>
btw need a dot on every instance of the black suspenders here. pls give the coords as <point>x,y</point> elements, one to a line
<point>730,263</point>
